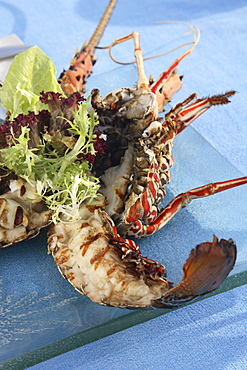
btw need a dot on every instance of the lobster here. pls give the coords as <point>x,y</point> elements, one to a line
<point>97,253</point>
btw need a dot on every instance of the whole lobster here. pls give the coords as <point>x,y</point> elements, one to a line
<point>95,254</point>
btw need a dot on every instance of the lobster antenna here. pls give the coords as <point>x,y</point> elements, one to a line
<point>143,81</point>
<point>94,40</point>
<point>192,29</point>
<point>196,37</point>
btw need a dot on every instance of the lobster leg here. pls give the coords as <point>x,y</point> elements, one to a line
<point>184,115</point>
<point>139,229</point>
<point>159,139</point>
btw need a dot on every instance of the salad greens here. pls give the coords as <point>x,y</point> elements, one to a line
<point>50,148</point>
<point>30,73</point>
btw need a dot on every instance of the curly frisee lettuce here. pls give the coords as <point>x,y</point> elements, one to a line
<point>62,178</point>
<point>48,140</point>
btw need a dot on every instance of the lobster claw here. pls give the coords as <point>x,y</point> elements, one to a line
<point>206,268</point>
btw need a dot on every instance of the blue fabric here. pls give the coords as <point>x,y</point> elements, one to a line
<point>206,335</point>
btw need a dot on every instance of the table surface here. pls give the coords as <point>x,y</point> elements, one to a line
<point>210,334</point>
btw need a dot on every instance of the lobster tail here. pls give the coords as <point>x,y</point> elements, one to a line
<point>22,211</point>
<point>206,268</point>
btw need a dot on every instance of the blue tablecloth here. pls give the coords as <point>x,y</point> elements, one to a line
<point>206,335</point>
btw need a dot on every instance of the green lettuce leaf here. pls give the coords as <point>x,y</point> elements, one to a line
<point>30,73</point>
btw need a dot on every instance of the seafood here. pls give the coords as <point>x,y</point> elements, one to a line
<point>113,201</point>
<point>92,253</point>
<point>74,79</point>
<point>19,218</point>
<point>169,82</point>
